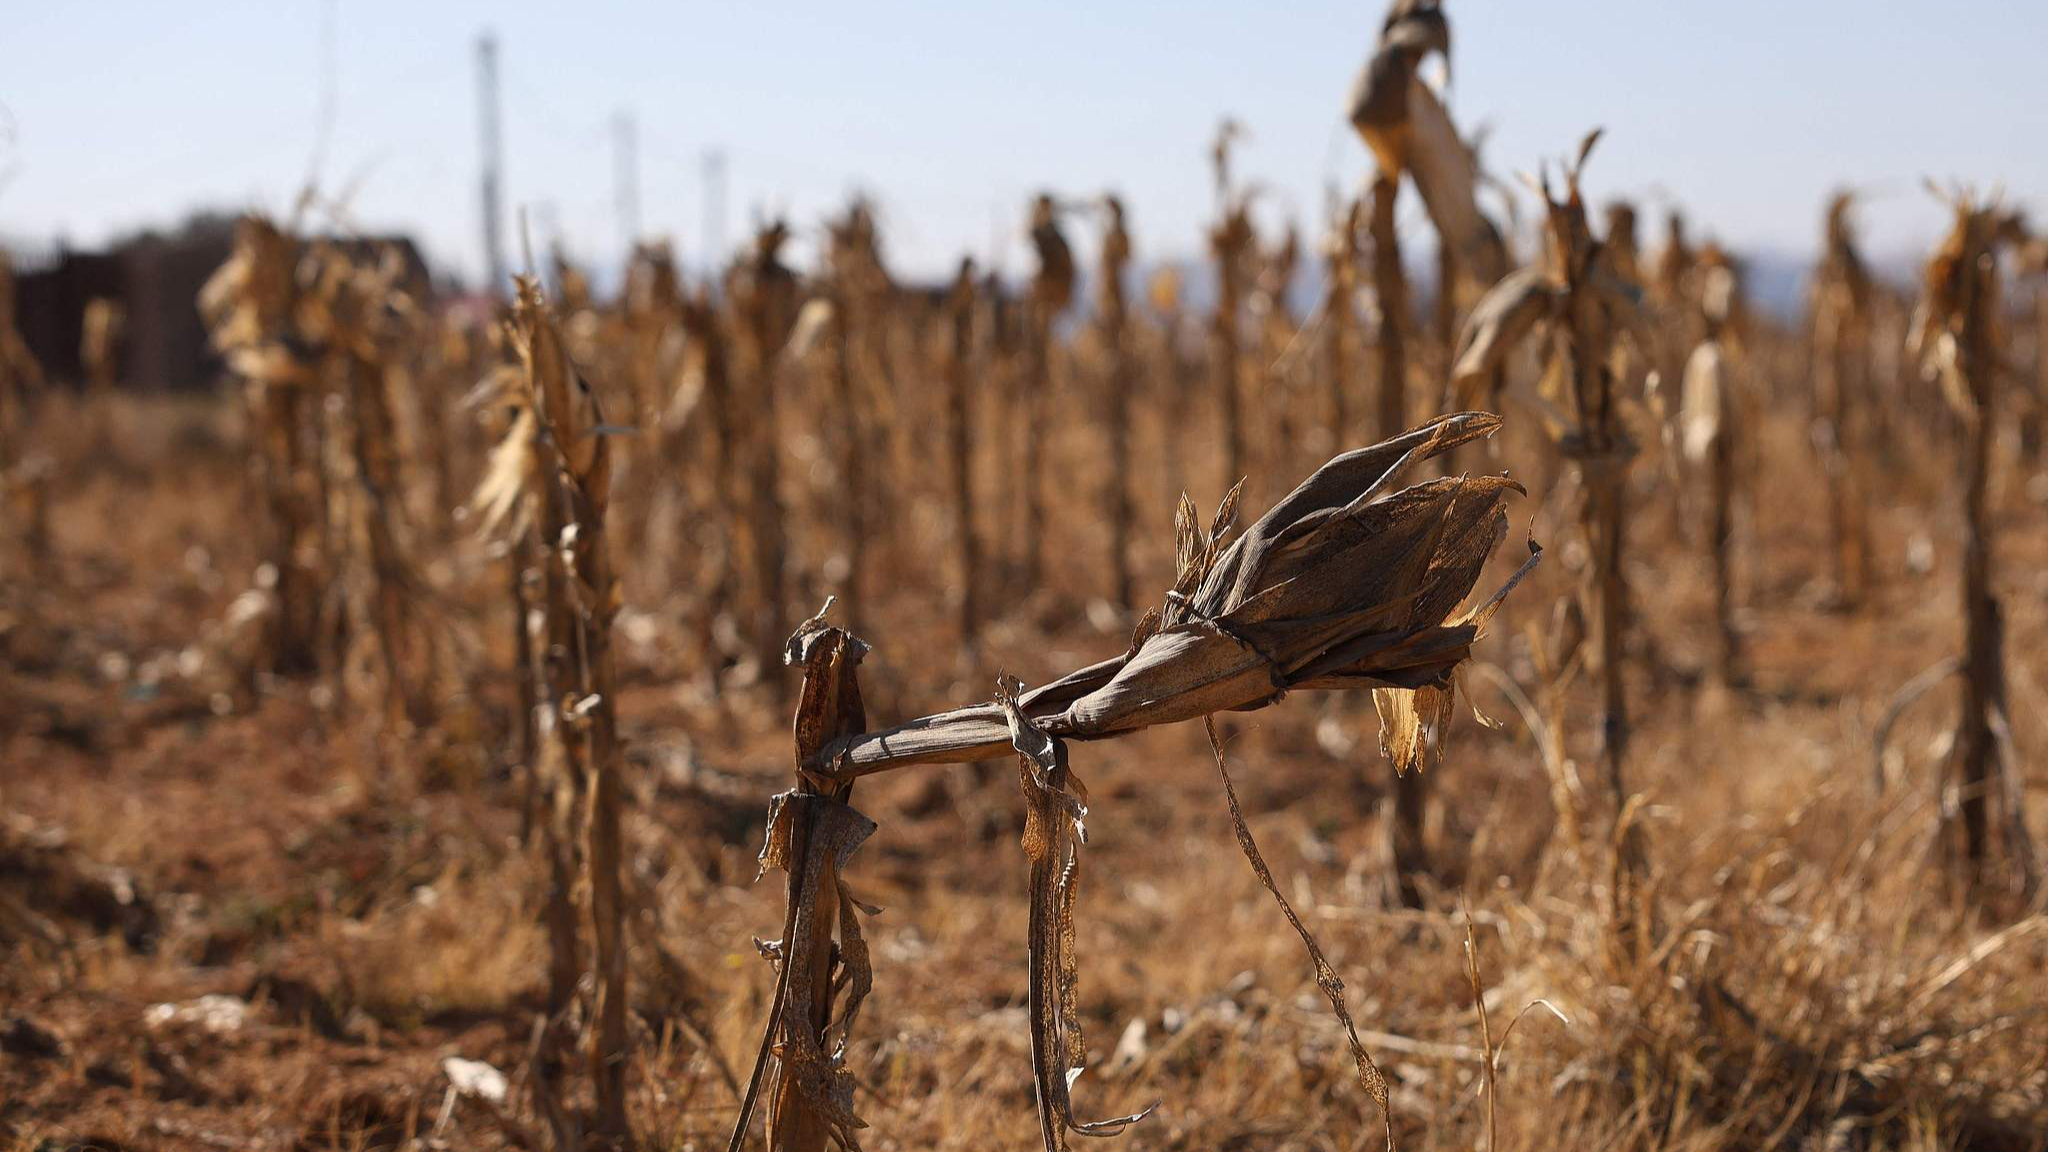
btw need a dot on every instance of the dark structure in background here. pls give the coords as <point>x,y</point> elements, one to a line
<point>156,277</point>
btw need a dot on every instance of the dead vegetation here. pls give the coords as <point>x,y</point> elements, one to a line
<point>389,740</point>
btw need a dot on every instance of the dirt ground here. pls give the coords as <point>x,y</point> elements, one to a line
<point>238,920</point>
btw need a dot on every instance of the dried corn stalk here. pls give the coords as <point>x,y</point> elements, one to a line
<point>1110,313</point>
<point>1390,313</point>
<point>557,462</point>
<point>1674,263</point>
<point>857,287</point>
<point>354,316</point>
<point>1277,437</point>
<point>1955,338</point>
<point>249,304</point>
<point>1052,290</point>
<point>1346,583</point>
<point>1839,310</point>
<point>99,344</point>
<point>960,312</point>
<point>1712,428</point>
<point>1583,310</point>
<point>764,296</point>
<point>812,831</point>
<point>705,386</point>
<point>1408,131</point>
<point>1231,243</point>
<point>1340,261</point>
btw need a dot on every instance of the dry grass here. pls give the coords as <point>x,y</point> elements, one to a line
<point>281,726</point>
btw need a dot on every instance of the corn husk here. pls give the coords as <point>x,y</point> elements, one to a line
<point>1702,413</point>
<point>1344,584</point>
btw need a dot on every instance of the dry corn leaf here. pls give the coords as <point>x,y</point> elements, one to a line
<point>1446,173</point>
<point>1055,806</point>
<point>1379,103</point>
<point>819,835</point>
<point>1343,584</point>
<point>1497,325</point>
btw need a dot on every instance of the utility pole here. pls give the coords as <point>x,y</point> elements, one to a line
<point>626,179</point>
<point>493,161</point>
<point>713,245</point>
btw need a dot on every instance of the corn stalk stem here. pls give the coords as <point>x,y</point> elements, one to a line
<point>1114,339</point>
<point>1336,354</point>
<point>1721,530</point>
<point>960,430</point>
<point>1036,396</point>
<point>1839,379</point>
<point>852,452</point>
<point>829,708</point>
<point>1224,341</point>
<point>610,1052</point>
<point>517,556</point>
<point>1390,285</point>
<point>1983,664</point>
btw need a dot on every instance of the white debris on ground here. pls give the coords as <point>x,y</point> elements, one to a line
<point>476,1078</point>
<point>216,1013</point>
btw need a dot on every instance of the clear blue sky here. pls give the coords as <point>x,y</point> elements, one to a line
<point>125,114</point>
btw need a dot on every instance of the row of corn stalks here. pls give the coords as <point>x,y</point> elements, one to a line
<point>714,453</point>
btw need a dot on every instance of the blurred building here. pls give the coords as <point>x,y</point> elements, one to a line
<point>156,278</point>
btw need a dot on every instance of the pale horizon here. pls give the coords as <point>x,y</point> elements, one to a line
<point>1745,115</point>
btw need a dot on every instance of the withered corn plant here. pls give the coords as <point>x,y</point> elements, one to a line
<point>1581,312</point>
<point>1410,134</point>
<point>249,305</point>
<point>1347,583</point>
<point>706,387</point>
<point>1231,244</point>
<point>765,294</point>
<point>1712,425</point>
<point>321,332</point>
<point>2034,420</point>
<point>960,316</point>
<point>1674,264</point>
<point>1276,433</point>
<point>99,355</point>
<point>1409,850</point>
<point>446,374</point>
<point>358,315</point>
<point>1391,310</point>
<point>857,289</point>
<point>1339,312</point>
<point>1955,337</point>
<point>1383,104</point>
<point>1838,317</point>
<point>1111,315</point>
<point>1618,247</point>
<point>643,336</point>
<point>2033,396</point>
<point>1052,290</point>
<point>551,477</point>
<point>1672,287</point>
